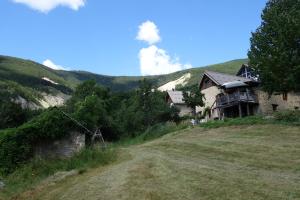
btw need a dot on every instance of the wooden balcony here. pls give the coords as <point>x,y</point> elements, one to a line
<point>225,100</point>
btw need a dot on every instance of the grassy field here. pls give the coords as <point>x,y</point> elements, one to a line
<point>236,162</point>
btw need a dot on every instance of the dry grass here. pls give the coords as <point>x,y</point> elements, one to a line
<point>243,162</point>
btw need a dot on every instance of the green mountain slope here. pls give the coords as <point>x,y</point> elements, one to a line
<point>23,78</point>
<point>19,77</point>
<point>230,67</point>
<point>121,83</point>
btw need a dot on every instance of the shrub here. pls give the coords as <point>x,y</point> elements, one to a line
<point>235,121</point>
<point>288,116</point>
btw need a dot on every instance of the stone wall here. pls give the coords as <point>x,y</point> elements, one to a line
<point>184,109</point>
<point>210,98</point>
<point>64,147</point>
<point>267,103</point>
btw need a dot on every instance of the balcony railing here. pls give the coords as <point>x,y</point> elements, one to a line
<point>236,97</point>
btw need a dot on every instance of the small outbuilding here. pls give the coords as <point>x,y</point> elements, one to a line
<point>175,98</point>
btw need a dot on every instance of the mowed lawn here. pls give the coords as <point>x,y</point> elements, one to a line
<point>242,162</point>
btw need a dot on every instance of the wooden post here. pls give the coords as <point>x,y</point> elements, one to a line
<point>227,95</point>
<point>240,106</point>
<point>248,109</point>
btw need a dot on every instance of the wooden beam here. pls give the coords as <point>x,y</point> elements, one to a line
<point>248,109</point>
<point>240,110</point>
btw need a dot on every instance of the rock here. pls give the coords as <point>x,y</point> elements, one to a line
<point>2,185</point>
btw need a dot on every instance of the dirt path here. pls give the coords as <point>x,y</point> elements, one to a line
<point>227,163</point>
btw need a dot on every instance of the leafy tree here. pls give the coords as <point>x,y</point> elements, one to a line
<point>84,90</point>
<point>11,114</point>
<point>275,46</point>
<point>93,106</point>
<point>90,87</point>
<point>91,112</point>
<point>129,118</point>
<point>143,109</point>
<point>193,98</point>
<point>152,104</point>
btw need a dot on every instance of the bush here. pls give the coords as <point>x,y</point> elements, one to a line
<point>235,121</point>
<point>292,116</point>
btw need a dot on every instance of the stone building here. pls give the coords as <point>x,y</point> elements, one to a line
<point>240,95</point>
<point>61,148</point>
<point>175,98</point>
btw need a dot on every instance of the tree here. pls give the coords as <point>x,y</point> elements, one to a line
<point>275,47</point>
<point>84,90</point>
<point>91,112</point>
<point>142,109</point>
<point>151,103</point>
<point>11,114</point>
<point>193,98</point>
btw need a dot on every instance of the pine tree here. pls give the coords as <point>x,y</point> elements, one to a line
<point>275,46</point>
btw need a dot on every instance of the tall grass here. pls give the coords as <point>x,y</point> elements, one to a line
<point>288,117</point>
<point>251,120</point>
<point>153,132</point>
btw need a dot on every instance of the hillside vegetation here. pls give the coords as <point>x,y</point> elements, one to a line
<point>24,78</point>
<point>117,115</point>
<point>237,162</point>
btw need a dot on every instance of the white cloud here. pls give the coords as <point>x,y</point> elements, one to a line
<point>155,61</point>
<point>148,32</point>
<point>47,5</point>
<point>50,64</point>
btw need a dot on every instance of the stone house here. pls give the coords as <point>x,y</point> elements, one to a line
<point>61,148</point>
<point>240,95</point>
<point>175,98</point>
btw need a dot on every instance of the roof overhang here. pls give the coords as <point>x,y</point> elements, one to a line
<point>234,84</point>
<point>208,76</point>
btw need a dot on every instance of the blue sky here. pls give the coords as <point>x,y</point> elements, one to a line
<point>101,35</point>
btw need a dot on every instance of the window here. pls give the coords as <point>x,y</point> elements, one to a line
<point>285,96</point>
<point>296,108</point>
<point>274,106</point>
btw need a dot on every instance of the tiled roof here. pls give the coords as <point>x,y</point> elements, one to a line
<point>220,78</point>
<point>176,96</point>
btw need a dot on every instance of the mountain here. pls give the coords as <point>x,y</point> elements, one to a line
<point>35,85</point>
